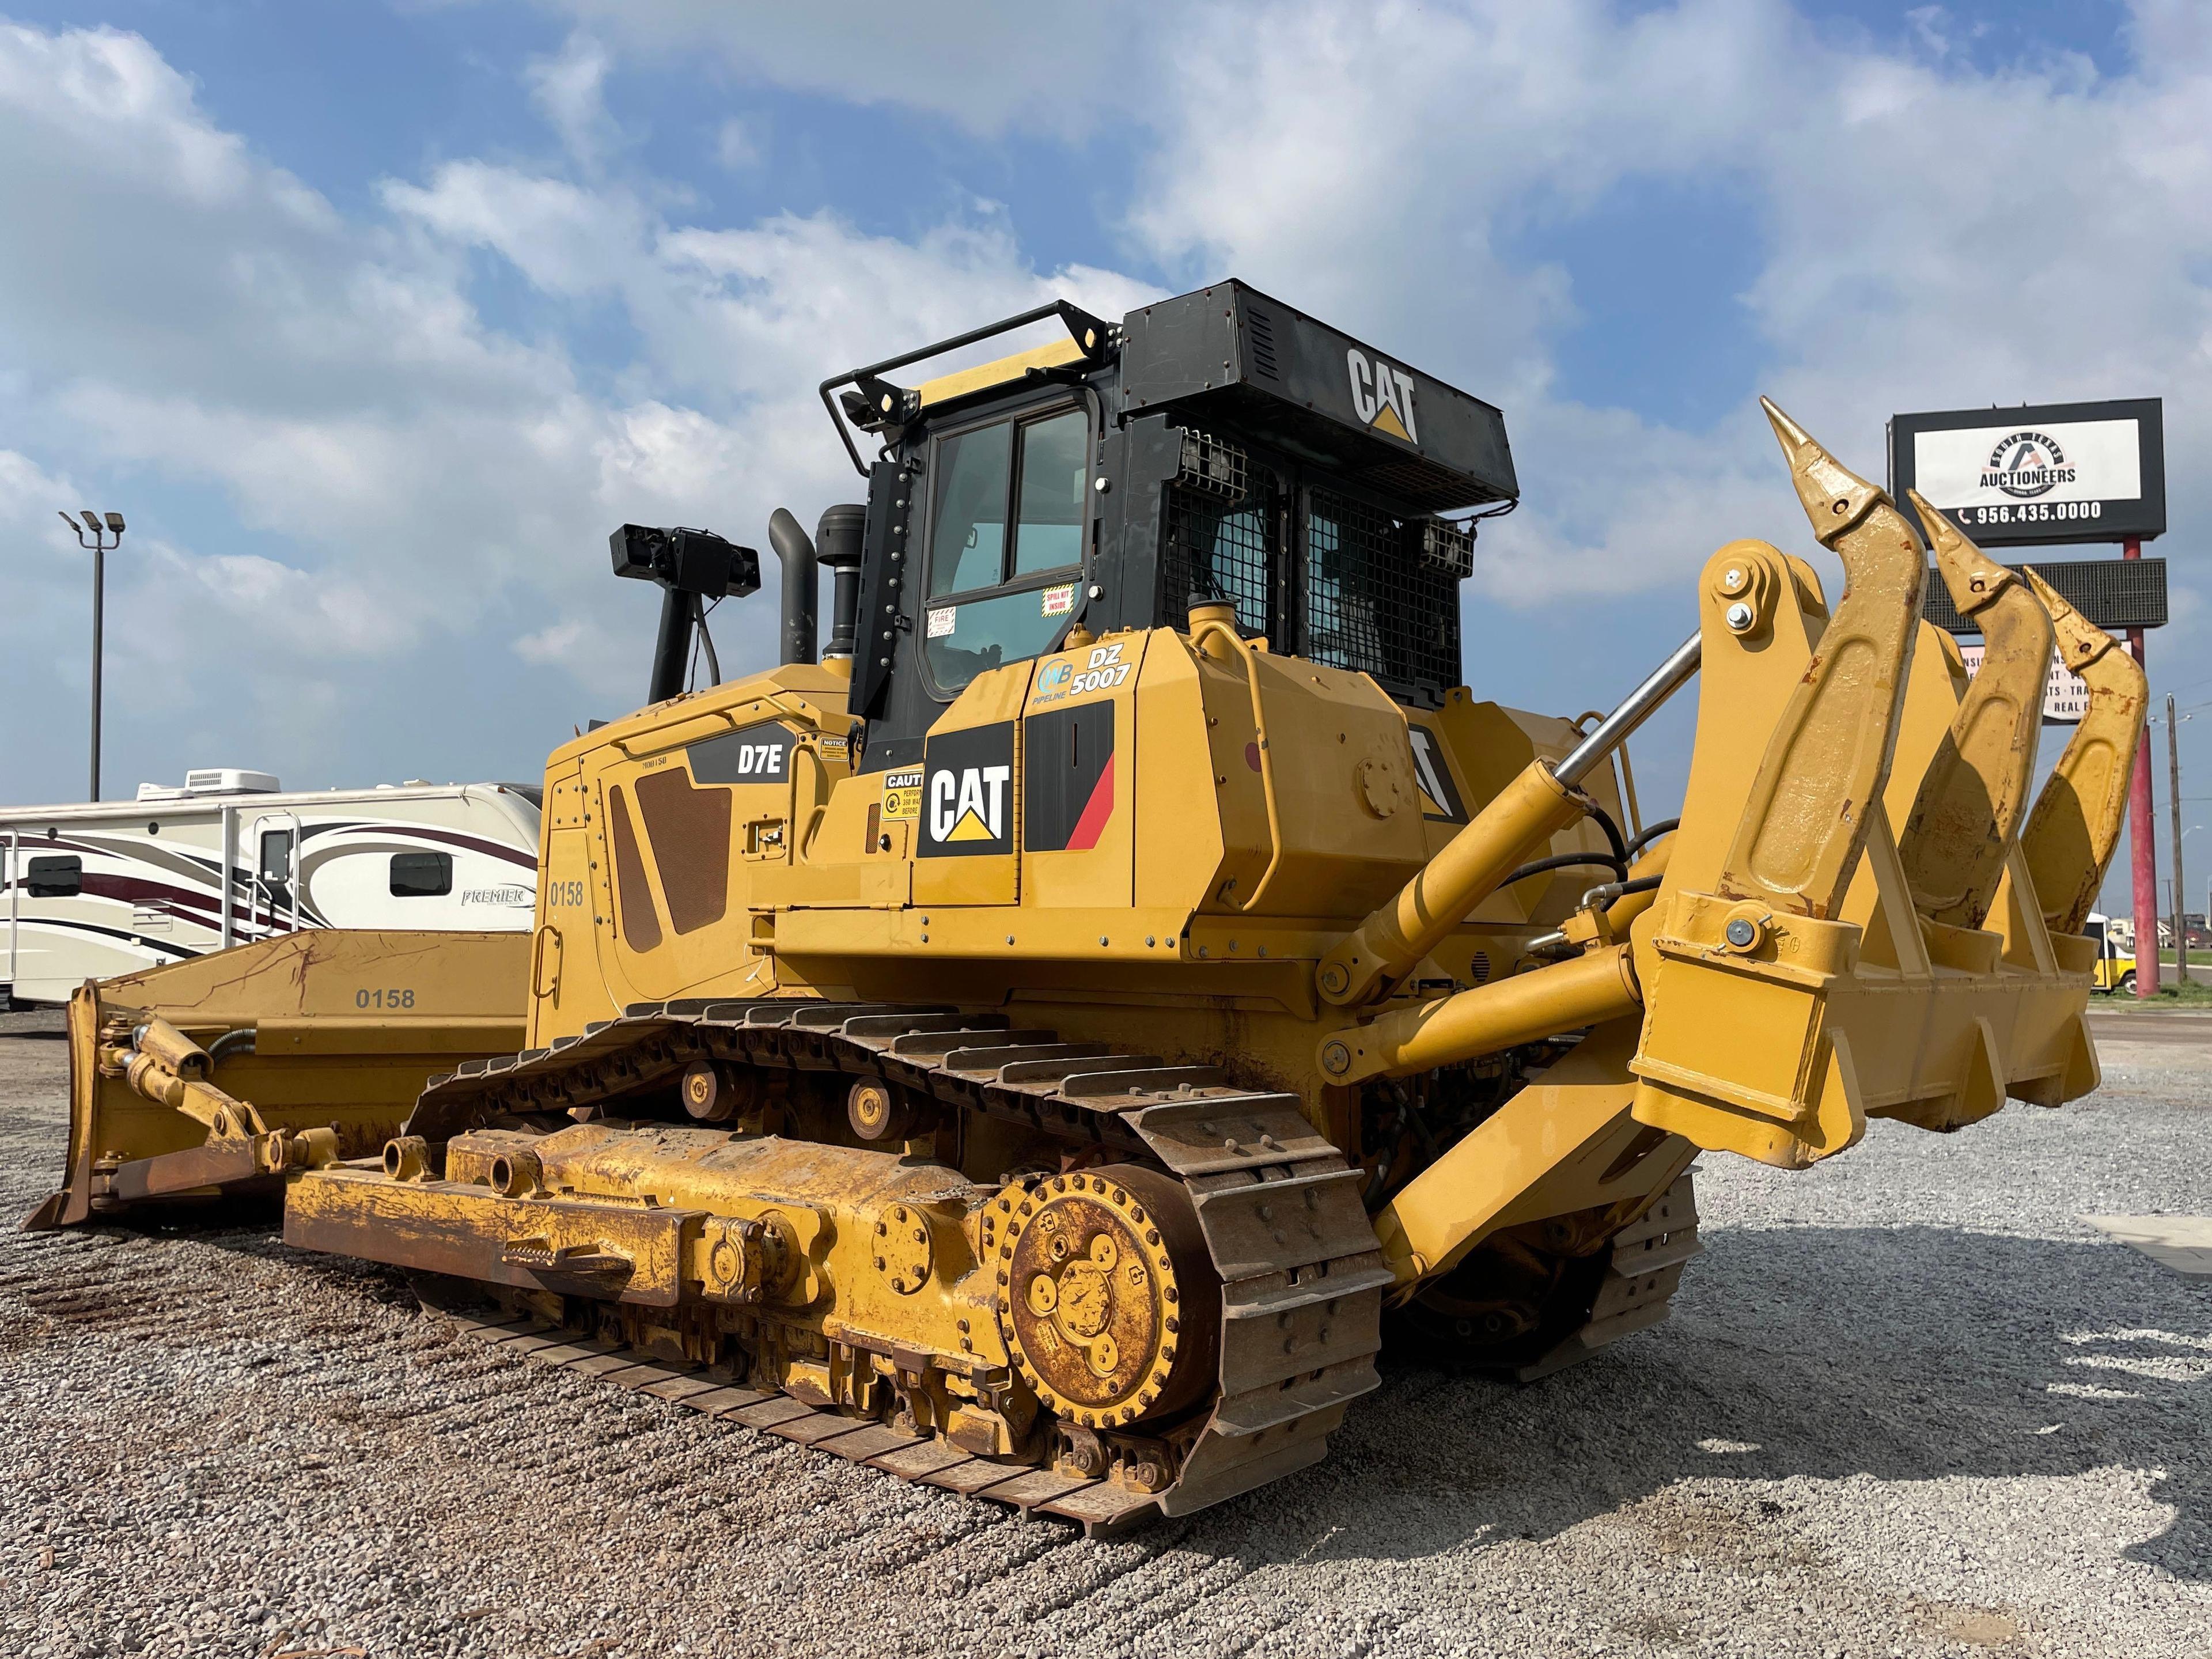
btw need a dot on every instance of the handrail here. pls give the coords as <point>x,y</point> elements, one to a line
<point>1207,628</point>
<point>1076,318</point>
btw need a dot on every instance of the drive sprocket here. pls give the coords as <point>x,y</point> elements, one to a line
<point>1107,1298</point>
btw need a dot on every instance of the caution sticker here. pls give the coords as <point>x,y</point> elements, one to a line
<point>940,623</point>
<point>902,794</point>
<point>1059,601</point>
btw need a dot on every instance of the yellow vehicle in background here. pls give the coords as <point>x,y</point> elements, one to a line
<point>2115,969</point>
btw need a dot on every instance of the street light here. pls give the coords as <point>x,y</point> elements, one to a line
<point>104,537</point>
<point>2181,911</point>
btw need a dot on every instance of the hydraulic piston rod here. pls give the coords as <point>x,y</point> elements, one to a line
<point>1528,813</point>
<point>1585,990</point>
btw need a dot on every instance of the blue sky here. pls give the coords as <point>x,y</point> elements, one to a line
<point>374,319</point>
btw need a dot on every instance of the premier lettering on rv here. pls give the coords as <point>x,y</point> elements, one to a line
<point>1383,395</point>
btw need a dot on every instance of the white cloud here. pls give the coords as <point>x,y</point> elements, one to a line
<point>419,476</point>
<point>1930,234</point>
<point>987,65</point>
<point>570,89</point>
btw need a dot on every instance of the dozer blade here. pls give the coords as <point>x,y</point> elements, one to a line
<point>1962,824</point>
<point>1802,971</point>
<point>329,1035</point>
<point>2075,826</point>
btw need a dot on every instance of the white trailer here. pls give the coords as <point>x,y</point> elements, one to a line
<point>111,887</point>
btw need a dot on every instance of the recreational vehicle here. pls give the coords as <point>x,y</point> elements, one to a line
<point>111,887</point>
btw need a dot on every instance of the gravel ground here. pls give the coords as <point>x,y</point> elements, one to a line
<point>1908,1405</point>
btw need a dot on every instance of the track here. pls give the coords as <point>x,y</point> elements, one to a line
<point>1302,1281</point>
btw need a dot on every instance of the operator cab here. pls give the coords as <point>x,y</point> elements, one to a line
<point>1219,445</point>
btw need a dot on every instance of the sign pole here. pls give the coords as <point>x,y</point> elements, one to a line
<point>2142,844</point>
<point>2174,828</point>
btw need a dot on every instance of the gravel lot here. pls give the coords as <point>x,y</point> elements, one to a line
<point>1908,1405</point>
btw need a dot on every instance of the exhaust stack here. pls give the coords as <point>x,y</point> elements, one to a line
<point>796,553</point>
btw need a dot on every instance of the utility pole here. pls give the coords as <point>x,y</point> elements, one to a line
<point>2143,843</point>
<point>104,537</point>
<point>2173,806</point>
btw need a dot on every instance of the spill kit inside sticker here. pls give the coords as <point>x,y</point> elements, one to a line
<point>940,622</point>
<point>1059,601</point>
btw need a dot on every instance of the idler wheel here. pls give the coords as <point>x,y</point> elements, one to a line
<point>1107,1296</point>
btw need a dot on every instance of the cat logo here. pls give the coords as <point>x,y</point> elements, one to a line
<point>973,806</point>
<point>968,794</point>
<point>1439,798</point>
<point>1382,396</point>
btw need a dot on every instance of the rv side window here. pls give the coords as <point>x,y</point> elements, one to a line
<point>276,855</point>
<point>54,877</point>
<point>422,875</point>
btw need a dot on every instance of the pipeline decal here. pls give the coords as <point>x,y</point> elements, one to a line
<point>1439,798</point>
<point>967,795</point>
<point>1068,778</point>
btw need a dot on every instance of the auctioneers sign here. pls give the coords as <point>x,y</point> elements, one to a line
<point>2038,474</point>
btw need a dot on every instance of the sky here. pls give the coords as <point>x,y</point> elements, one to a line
<point>373,319</point>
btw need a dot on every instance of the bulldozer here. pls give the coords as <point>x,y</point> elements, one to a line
<point>1044,1043</point>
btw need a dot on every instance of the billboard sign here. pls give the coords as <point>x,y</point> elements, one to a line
<point>2038,474</point>
<point>2113,593</point>
<point>2065,697</point>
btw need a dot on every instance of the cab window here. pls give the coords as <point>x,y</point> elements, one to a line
<point>1007,543</point>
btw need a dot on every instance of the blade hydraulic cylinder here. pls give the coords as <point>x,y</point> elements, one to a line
<point>1468,1024</point>
<point>1524,816</point>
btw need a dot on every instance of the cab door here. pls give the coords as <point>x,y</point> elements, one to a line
<point>1009,521</point>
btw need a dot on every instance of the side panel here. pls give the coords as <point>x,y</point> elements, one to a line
<point>1079,775</point>
<point>968,831</point>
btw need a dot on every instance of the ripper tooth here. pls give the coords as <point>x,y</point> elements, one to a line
<point>1963,823</point>
<point>2074,828</point>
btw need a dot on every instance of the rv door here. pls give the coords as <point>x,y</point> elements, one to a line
<point>277,866</point>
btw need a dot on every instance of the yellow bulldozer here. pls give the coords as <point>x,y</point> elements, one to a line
<point>1043,1047</point>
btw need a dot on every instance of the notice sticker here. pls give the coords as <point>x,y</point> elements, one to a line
<point>902,794</point>
<point>1059,601</point>
<point>940,623</point>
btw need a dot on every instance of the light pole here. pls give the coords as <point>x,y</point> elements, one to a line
<point>2181,910</point>
<point>104,537</point>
